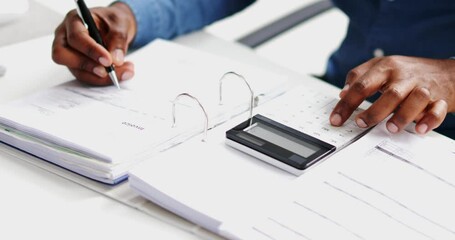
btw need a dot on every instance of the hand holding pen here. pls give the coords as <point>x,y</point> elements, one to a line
<point>90,58</point>
<point>87,19</point>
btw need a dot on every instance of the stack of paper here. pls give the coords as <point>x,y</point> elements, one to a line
<point>100,132</point>
<point>210,183</point>
<point>382,186</point>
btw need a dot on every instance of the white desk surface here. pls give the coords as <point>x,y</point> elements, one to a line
<point>37,203</point>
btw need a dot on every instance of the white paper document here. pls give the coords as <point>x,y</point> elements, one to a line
<point>382,186</point>
<point>100,132</point>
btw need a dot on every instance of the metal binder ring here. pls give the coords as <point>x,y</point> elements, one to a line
<point>206,126</point>
<point>247,84</point>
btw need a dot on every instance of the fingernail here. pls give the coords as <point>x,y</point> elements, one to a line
<point>345,88</point>
<point>361,123</point>
<point>103,61</point>
<point>392,127</point>
<point>100,71</point>
<point>422,128</point>
<point>343,91</point>
<point>336,119</point>
<point>127,75</point>
<point>118,55</point>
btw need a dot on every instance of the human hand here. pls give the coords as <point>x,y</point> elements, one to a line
<point>74,48</point>
<point>414,89</point>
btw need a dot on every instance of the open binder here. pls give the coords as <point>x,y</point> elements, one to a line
<point>382,186</point>
<point>376,185</point>
<point>101,132</point>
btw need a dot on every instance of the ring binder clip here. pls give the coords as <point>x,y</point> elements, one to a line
<point>252,100</point>
<point>206,126</point>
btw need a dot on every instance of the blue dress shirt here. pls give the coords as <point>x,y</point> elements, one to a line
<point>170,18</point>
<point>420,28</point>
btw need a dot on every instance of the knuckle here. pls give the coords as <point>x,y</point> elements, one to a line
<point>344,104</point>
<point>435,115</point>
<point>57,52</point>
<point>360,86</point>
<point>84,65</point>
<point>422,94</point>
<point>394,92</point>
<point>443,105</point>
<point>59,30</point>
<point>400,119</point>
<point>71,14</point>
<point>90,51</point>
<point>120,37</point>
<point>113,17</point>
<point>353,74</point>
<point>371,118</point>
<point>74,40</point>
<point>56,55</point>
<point>345,108</point>
<point>390,61</point>
<point>78,75</point>
<point>73,37</point>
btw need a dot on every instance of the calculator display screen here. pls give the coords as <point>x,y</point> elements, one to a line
<point>281,139</point>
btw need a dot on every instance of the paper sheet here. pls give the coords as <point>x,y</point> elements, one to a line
<point>381,187</point>
<point>211,183</point>
<point>122,127</point>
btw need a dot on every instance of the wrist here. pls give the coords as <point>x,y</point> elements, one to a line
<point>123,9</point>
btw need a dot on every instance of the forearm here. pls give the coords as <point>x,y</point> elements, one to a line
<point>170,18</point>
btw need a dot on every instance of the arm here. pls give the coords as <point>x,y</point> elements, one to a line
<point>170,18</point>
<point>130,23</point>
<point>86,60</point>
<point>414,89</point>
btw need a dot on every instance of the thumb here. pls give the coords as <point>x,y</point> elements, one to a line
<point>120,31</point>
<point>117,45</point>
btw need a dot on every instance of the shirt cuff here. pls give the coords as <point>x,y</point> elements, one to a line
<point>152,21</point>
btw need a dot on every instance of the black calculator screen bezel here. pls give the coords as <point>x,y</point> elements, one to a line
<point>239,135</point>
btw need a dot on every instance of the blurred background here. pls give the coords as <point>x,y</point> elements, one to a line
<point>303,48</point>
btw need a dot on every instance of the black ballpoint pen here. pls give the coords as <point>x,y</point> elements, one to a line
<point>87,19</point>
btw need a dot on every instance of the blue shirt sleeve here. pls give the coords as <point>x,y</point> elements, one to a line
<point>170,18</point>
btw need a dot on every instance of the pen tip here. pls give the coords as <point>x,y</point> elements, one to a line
<point>114,79</point>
